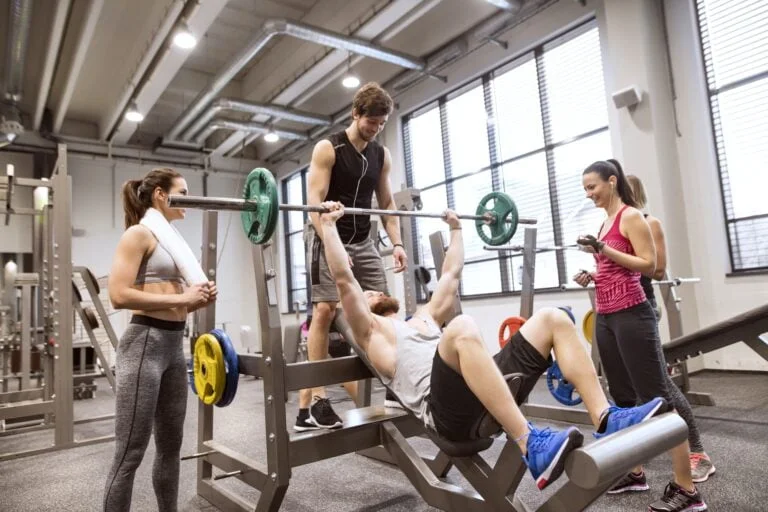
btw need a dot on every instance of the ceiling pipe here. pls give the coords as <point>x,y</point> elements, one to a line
<point>159,45</point>
<point>507,5</point>
<point>274,27</point>
<point>483,32</point>
<point>226,124</point>
<point>19,20</point>
<point>285,113</point>
<point>382,35</point>
<point>51,57</point>
<point>83,43</point>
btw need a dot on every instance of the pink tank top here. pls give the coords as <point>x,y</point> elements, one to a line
<point>616,287</point>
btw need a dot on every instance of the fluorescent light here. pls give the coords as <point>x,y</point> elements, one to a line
<point>133,115</point>
<point>271,137</point>
<point>350,81</point>
<point>184,38</point>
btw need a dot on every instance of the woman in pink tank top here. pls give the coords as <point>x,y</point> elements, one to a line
<point>626,332</point>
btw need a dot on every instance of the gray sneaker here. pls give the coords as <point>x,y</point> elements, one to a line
<point>701,467</point>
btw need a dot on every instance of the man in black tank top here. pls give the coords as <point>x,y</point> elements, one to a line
<point>349,167</point>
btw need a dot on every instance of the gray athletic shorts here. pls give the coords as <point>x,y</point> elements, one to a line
<point>367,267</point>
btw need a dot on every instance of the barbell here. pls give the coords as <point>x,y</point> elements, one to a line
<point>496,217</point>
<point>521,248</point>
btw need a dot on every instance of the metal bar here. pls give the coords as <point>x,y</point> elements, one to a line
<point>439,494</point>
<point>478,473</point>
<point>222,476</point>
<point>521,248</point>
<point>306,375</point>
<point>277,441</point>
<point>556,413</point>
<point>197,455</point>
<point>21,411</point>
<point>405,200</point>
<point>361,430</point>
<point>204,322</point>
<point>233,204</point>
<point>677,281</point>
<point>26,182</point>
<point>96,347</point>
<point>26,342</point>
<point>104,321</point>
<point>221,498</point>
<point>529,273</point>
<point>103,417</point>
<point>62,300</point>
<point>20,396</point>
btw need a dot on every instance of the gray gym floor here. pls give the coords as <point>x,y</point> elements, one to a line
<point>734,433</point>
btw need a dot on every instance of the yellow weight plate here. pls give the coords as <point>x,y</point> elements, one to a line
<point>209,369</point>
<point>588,325</point>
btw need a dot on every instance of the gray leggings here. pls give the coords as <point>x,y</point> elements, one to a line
<point>151,392</point>
<point>633,362</point>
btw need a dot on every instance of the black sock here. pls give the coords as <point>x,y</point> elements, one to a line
<point>603,422</point>
<point>303,413</point>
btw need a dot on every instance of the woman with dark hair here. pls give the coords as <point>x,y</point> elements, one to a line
<point>151,371</point>
<point>701,465</point>
<point>626,332</point>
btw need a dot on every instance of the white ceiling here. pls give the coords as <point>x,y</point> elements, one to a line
<point>128,56</point>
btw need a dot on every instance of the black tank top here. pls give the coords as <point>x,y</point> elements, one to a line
<point>646,283</point>
<point>354,178</point>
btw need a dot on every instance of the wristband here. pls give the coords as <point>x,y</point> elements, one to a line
<point>398,245</point>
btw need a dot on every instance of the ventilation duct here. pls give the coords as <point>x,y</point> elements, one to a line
<point>309,33</point>
<point>220,104</point>
<point>19,20</point>
<point>225,124</point>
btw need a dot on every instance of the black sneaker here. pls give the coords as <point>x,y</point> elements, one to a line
<point>322,415</point>
<point>390,400</point>
<point>302,422</point>
<point>631,482</point>
<point>676,499</point>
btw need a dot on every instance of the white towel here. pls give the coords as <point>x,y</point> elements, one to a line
<point>171,240</point>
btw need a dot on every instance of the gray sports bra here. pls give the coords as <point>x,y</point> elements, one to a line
<point>158,267</point>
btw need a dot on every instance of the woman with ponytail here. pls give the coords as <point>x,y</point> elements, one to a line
<point>151,371</point>
<point>626,333</point>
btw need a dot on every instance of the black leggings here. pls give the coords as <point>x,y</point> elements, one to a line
<point>633,362</point>
<point>151,395</point>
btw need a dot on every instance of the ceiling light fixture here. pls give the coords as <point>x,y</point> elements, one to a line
<point>271,137</point>
<point>133,114</point>
<point>184,38</point>
<point>350,81</point>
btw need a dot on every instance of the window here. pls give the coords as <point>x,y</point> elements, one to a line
<point>733,37</point>
<point>528,128</point>
<point>294,192</point>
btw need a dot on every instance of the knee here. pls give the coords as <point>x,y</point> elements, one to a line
<point>556,318</point>
<point>323,313</point>
<point>464,330</point>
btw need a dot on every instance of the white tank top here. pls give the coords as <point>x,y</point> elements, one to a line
<point>413,368</point>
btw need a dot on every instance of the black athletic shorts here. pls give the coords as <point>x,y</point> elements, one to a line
<point>455,409</point>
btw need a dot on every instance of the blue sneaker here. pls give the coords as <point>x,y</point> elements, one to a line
<point>620,418</point>
<point>547,450</point>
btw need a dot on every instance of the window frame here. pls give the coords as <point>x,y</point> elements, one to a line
<point>497,164</point>
<point>721,158</point>
<point>300,174</point>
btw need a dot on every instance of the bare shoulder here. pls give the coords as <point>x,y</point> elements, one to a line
<point>139,238</point>
<point>323,151</point>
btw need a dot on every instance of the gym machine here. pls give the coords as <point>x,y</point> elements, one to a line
<point>46,318</point>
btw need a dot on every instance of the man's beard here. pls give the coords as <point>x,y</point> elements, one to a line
<point>386,306</point>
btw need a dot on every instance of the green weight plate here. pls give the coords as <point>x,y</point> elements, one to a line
<point>504,224</point>
<point>260,219</point>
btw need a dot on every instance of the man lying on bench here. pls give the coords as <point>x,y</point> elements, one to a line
<point>448,379</point>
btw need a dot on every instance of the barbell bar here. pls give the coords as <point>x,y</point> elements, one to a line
<point>677,281</point>
<point>259,210</point>
<point>250,205</point>
<point>520,248</point>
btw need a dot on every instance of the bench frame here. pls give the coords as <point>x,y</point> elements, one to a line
<point>368,427</point>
